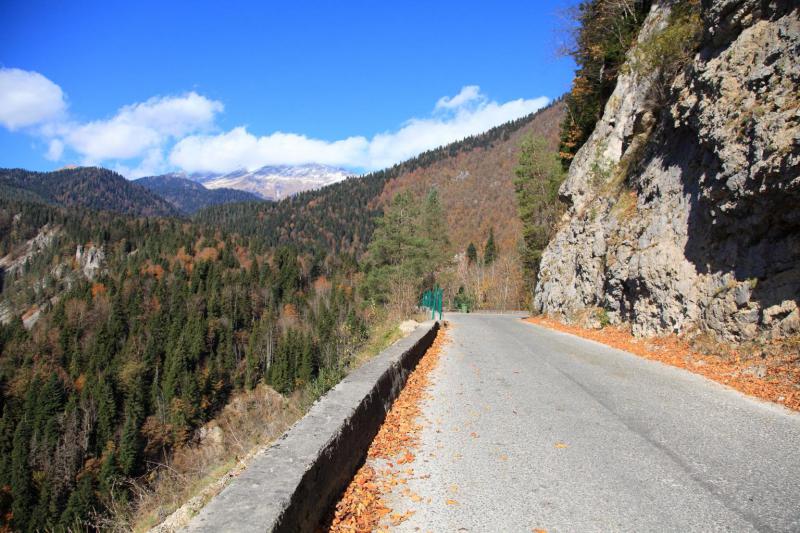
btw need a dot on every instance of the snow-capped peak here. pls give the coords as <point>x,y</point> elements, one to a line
<point>276,181</point>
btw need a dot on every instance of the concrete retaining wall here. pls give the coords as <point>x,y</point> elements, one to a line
<point>292,485</point>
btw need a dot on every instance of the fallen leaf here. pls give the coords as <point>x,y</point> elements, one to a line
<point>452,502</point>
<point>561,445</point>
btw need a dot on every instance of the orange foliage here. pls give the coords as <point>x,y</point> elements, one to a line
<point>362,507</point>
<point>290,311</point>
<point>321,284</point>
<point>29,313</point>
<point>476,188</point>
<point>780,384</point>
<point>80,382</point>
<point>207,254</point>
<point>98,289</point>
<point>243,255</point>
<point>155,270</point>
<point>182,256</point>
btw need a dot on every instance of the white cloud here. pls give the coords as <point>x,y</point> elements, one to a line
<point>464,114</point>
<point>151,164</point>
<point>27,98</point>
<point>137,129</point>
<point>238,148</point>
<point>134,141</point>
<point>469,93</point>
<point>54,150</point>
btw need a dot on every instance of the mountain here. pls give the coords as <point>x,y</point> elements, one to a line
<point>90,187</point>
<point>188,195</point>
<point>474,177</point>
<point>476,185</point>
<point>275,182</point>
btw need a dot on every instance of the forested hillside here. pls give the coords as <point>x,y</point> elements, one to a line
<point>190,196</point>
<point>130,356</point>
<point>476,184</point>
<point>474,178</point>
<point>89,187</point>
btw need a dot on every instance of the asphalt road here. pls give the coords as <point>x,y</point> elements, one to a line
<point>530,429</point>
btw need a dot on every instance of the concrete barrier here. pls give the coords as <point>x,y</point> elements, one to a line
<point>293,484</point>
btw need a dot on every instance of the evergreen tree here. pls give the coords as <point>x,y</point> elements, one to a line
<point>22,487</point>
<point>106,412</point>
<point>434,229</point>
<point>408,246</point>
<point>130,443</point>
<point>80,504</point>
<point>538,178</point>
<point>305,366</point>
<point>472,254</point>
<point>490,250</point>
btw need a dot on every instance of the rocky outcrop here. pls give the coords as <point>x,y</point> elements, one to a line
<point>90,261</point>
<point>683,211</point>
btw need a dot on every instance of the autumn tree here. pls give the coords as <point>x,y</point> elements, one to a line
<point>605,31</point>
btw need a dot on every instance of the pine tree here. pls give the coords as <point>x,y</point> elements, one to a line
<point>130,442</point>
<point>398,251</point>
<point>22,488</point>
<point>280,376</point>
<point>434,229</point>
<point>538,178</point>
<point>79,505</point>
<point>305,366</point>
<point>472,254</point>
<point>51,402</point>
<point>106,412</point>
<point>7,428</point>
<point>490,250</point>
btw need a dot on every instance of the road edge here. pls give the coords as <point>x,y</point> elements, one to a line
<point>292,484</point>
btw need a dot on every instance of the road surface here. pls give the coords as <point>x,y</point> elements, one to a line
<point>530,429</point>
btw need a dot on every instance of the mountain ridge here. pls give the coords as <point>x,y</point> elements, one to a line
<point>189,195</point>
<point>88,187</point>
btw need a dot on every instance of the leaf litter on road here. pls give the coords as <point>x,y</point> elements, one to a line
<point>362,507</point>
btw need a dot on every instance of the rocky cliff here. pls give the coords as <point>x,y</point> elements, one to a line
<point>684,204</point>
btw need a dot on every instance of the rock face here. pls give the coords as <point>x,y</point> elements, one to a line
<point>686,214</point>
<point>90,261</point>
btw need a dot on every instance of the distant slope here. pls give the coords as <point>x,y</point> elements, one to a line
<point>190,196</point>
<point>276,182</point>
<point>474,176</point>
<point>90,187</point>
<point>476,186</point>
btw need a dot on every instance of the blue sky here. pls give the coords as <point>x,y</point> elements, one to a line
<point>146,87</point>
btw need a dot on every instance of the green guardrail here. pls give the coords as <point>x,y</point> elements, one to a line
<point>433,299</point>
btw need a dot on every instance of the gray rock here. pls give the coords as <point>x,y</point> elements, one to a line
<point>716,186</point>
